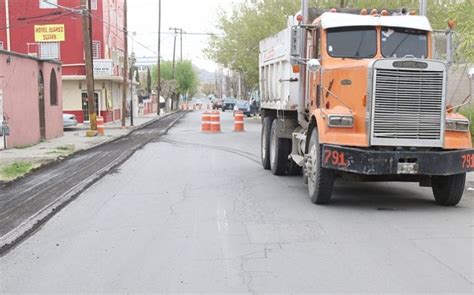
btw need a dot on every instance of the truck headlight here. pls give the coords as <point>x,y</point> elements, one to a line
<point>341,121</point>
<point>459,125</point>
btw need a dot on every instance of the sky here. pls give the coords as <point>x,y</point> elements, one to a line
<point>194,16</point>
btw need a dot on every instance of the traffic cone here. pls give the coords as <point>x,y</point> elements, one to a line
<point>215,122</point>
<point>239,122</point>
<point>100,126</point>
<point>206,122</point>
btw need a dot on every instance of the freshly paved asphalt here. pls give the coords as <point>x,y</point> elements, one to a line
<point>195,212</point>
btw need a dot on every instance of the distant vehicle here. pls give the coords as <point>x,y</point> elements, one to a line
<point>69,120</point>
<point>228,104</point>
<point>245,107</point>
<point>217,104</point>
<point>199,102</point>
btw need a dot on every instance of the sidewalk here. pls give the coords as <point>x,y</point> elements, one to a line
<point>74,140</point>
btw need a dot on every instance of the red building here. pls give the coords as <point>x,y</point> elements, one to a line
<point>52,29</point>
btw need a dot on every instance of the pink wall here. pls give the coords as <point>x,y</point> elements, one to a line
<point>21,103</point>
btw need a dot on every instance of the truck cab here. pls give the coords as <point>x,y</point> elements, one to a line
<point>371,106</point>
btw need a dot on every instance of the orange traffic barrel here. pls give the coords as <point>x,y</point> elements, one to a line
<point>215,121</point>
<point>206,122</point>
<point>100,126</point>
<point>239,122</point>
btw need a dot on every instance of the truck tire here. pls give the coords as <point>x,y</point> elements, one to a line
<point>293,168</point>
<point>448,190</point>
<point>265,142</point>
<point>320,180</point>
<point>279,151</point>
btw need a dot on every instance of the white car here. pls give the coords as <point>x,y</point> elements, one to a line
<point>69,120</point>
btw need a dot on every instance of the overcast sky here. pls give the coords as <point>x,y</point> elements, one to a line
<point>196,16</point>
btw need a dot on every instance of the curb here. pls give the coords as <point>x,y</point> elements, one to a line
<point>60,159</point>
<point>33,223</point>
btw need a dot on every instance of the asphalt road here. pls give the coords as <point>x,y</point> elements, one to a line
<point>195,212</point>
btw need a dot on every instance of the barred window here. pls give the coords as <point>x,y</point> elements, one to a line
<point>96,50</point>
<point>94,4</point>
<point>49,50</point>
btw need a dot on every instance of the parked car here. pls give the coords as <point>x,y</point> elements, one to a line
<point>245,107</point>
<point>217,104</point>
<point>229,104</point>
<point>69,121</point>
<point>199,103</point>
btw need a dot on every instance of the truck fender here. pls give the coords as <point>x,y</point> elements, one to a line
<point>313,124</point>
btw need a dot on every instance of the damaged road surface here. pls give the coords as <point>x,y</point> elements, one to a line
<point>196,213</point>
<point>29,202</point>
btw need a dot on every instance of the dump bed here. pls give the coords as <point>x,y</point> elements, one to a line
<point>278,83</point>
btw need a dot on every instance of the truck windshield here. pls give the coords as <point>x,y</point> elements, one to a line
<point>353,42</point>
<point>401,42</point>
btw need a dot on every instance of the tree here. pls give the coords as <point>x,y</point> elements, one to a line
<point>148,81</point>
<point>185,83</point>
<point>254,20</point>
<point>186,78</point>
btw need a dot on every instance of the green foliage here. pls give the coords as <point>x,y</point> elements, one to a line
<point>254,20</point>
<point>16,170</point>
<point>185,76</point>
<point>166,72</point>
<point>148,81</point>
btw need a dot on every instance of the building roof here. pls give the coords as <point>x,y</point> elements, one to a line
<point>337,20</point>
<point>21,55</point>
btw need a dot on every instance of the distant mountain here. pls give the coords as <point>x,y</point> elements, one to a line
<point>205,76</point>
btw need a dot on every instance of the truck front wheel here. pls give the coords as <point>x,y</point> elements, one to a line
<point>320,180</point>
<point>448,190</point>
<point>279,151</point>
<point>265,142</point>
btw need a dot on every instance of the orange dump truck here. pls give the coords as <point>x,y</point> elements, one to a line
<point>359,97</point>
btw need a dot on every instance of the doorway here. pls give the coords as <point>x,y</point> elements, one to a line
<point>85,105</point>
<point>42,113</point>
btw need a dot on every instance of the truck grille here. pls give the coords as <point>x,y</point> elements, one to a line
<point>408,107</point>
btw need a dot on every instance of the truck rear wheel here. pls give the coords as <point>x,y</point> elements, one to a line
<point>320,180</point>
<point>448,190</point>
<point>279,151</point>
<point>265,142</point>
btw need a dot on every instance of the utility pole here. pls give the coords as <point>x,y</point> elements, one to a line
<point>176,30</point>
<point>87,38</point>
<point>181,43</point>
<point>125,66</point>
<point>159,55</point>
<point>423,7</point>
<point>132,77</point>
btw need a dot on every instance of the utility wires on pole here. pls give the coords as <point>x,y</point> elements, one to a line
<point>125,66</point>
<point>159,55</point>
<point>176,30</point>
<point>87,38</point>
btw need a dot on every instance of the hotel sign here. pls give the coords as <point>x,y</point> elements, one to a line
<point>49,33</point>
<point>103,67</point>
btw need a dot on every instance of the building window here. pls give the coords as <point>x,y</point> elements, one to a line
<point>49,50</point>
<point>94,4</point>
<point>47,4</point>
<point>1,44</point>
<point>53,89</point>
<point>96,50</point>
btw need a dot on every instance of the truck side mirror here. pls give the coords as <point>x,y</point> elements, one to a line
<point>295,45</point>
<point>313,65</point>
